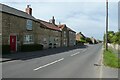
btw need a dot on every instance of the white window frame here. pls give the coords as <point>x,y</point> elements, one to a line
<point>28,39</point>
<point>29,25</point>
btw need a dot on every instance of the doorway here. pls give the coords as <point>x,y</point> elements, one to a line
<point>13,43</point>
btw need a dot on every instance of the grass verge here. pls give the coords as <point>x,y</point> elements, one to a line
<point>111,59</point>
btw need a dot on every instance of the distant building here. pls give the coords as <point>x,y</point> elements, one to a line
<point>78,38</point>
<point>94,41</point>
<point>79,35</point>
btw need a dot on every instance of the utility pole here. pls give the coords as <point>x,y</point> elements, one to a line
<point>106,42</point>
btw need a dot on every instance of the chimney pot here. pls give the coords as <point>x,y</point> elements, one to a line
<point>29,10</point>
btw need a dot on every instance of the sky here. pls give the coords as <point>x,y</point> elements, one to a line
<point>83,16</point>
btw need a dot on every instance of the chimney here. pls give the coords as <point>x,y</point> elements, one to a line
<point>53,20</point>
<point>28,10</point>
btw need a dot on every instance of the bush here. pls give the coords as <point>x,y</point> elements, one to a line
<point>5,49</point>
<point>31,47</point>
<point>79,43</point>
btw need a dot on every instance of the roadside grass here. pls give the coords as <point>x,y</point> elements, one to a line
<point>111,59</point>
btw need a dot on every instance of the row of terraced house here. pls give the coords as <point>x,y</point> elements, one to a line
<point>21,28</point>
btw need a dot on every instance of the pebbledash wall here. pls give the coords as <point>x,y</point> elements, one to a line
<point>28,30</point>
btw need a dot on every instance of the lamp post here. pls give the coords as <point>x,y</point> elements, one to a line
<point>106,42</point>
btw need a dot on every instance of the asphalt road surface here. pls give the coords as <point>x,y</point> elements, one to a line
<point>75,63</point>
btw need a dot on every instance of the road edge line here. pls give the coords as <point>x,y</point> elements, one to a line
<point>101,62</point>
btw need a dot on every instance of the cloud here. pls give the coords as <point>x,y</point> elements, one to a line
<point>86,17</point>
<point>58,0</point>
<point>87,25</point>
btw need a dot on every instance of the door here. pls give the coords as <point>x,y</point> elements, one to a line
<point>13,42</point>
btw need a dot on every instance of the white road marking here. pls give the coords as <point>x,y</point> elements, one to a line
<point>101,67</point>
<point>75,54</point>
<point>49,64</point>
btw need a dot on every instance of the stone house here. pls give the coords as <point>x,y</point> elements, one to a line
<point>71,37</point>
<point>21,28</point>
<point>78,38</point>
<point>68,36</point>
<point>94,41</point>
<point>51,34</point>
<point>18,27</point>
<point>64,37</point>
<point>79,35</point>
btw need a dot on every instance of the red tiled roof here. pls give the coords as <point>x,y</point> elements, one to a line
<point>50,25</point>
<point>63,25</point>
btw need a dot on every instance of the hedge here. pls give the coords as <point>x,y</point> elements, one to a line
<point>31,47</point>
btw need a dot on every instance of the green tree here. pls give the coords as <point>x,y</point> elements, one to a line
<point>110,36</point>
<point>117,38</point>
<point>82,39</point>
<point>113,37</point>
<point>88,40</point>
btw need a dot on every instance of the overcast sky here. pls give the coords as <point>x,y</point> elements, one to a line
<point>79,15</point>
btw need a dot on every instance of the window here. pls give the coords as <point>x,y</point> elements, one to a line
<point>28,39</point>
<point>44,39</point>
<point>29,25</point>
<point>64,34</point>
<point>56,39</point>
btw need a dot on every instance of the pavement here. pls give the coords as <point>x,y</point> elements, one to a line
<point>72,62</point>
<point>35,54</point>
<point>109,72</point>
<point>106,71</point>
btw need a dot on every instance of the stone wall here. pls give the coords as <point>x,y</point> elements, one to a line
<point>14,25</point>
<point>72,38</point>
<point>64,39</point>
<point>46,36</point>
<point>114,47</point>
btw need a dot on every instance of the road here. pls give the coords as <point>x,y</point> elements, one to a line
<point>75,63</point>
